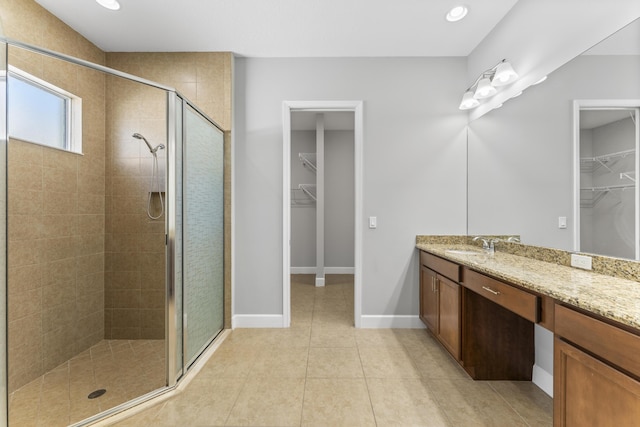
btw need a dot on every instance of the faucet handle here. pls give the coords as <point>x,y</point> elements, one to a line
<point>485,242</point>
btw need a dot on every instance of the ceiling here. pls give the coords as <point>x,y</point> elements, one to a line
<point>306,120</point>
<point>626,41</point>
<point>284,28</point>
<point>590,119</point>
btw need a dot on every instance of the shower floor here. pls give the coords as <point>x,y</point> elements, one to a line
<point>125,368</point>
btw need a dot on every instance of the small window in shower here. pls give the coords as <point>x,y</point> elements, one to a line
<point>42,113</point>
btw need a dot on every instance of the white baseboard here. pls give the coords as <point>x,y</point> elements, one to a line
<point>319,282</point>
<point>543,379</point>
<point>327,270</point>
<point>394,322</point>
<point>257,321</point>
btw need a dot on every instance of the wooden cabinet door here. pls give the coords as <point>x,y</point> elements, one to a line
<point>428,299</point>
<point>449,309</point>
<point>588,392</point>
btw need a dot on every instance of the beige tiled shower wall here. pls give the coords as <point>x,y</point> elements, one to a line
<point>56,210</point>
<point>135,243</point>
<point>203,77</point>
<point>133,279</point>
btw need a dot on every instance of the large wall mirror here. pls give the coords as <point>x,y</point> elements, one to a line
<point>523,162</point>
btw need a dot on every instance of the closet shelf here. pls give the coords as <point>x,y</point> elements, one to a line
<point>300,199</point>
<point>609,188</point>
<point>309,190</point>
<point>590,164</point>
<point>308,160</point>
<point>630,175</point>
<point>600,192</point>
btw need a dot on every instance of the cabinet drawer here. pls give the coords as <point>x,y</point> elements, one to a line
<point>613,344</point>
<point>442,266</point>
<point>520,302</point>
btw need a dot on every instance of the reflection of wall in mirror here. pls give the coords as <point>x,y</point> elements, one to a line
<point>520,156</point>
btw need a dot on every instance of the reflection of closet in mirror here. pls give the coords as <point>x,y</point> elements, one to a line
<point>608,153</point>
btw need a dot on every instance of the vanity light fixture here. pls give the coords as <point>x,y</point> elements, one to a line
<point>109,4</point>
<point>457,13</point>
<point>488,84</point>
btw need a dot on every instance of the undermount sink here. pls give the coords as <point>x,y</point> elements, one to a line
<point>463,252</point>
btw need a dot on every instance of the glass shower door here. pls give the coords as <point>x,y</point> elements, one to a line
<point>4,416</point>
<point>203,233</point>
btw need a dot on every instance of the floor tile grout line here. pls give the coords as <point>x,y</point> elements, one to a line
<point>508,404</point>
<point>306,371</point>
<point>440,408</point>
<point>235,401</point>
<point>366,383</point>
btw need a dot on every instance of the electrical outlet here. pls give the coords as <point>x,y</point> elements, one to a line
<point>581,261</point>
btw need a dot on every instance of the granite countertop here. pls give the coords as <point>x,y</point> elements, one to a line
<point>611,297</point>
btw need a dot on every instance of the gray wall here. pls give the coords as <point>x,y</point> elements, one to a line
<point>414,168</point>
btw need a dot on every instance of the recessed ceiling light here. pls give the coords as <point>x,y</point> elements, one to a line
<point>109,4</point>
<point>457,13</point>
<point>541,80</point>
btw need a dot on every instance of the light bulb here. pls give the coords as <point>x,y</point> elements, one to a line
<point>504,75</point>
<point>468,101</point>
<point>484,89</point>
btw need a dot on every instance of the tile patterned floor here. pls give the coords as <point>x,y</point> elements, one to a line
<point>126,369</point>
<point>324,372</point>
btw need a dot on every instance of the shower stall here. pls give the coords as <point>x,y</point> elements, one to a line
<point>112,237</point>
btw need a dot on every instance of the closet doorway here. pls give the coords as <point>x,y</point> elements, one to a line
<point>607,142</point>
<point>322,195</point>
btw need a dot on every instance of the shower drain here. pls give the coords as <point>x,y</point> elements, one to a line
<point>97,393</point>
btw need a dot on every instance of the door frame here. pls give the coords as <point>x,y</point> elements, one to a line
<point>601,104</point>
<point>289,107</point>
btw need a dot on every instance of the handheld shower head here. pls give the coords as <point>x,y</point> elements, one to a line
<point>139,136</point>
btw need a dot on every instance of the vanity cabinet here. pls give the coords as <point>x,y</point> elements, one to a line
<point>449,315</point>
<point>440,301</point>
<point>429,298</point>
<point>596,372</point>
<point>486,324</point>
<point>498,331</point>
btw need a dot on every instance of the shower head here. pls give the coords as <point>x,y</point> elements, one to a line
<point>151,149</point>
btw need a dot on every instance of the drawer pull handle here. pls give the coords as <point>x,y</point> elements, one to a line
<point>488,289</point>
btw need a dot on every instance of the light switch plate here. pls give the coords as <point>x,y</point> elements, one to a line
<point>562,222</point>
<point>373,222</point>
<point>581,261</point>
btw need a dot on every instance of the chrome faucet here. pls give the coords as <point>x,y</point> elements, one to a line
<point>487,244</point>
